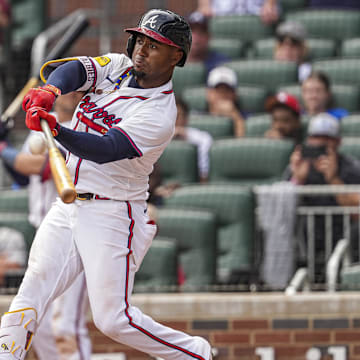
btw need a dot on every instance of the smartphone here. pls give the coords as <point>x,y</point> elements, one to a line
<point>313,152</point>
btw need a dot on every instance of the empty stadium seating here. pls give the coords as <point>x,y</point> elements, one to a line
<point>350,277</point>
<point>326,23</point>
<point>216,126</point>
<point>193,74</point>
<point>249,160</point>
<point>178,162</point>
<point>234,209</point>
<point>266,73</point>
<point>341,71</point>
<point>14,201</point>
<point>350,146</point>
<point>158,271</point>
<point>257,125</point>
<point>350,125</point>
<point>195,234</point>
<point>233,48</point>
<point>244,27</point>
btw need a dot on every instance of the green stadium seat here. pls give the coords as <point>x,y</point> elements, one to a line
<point>234,208</point>
<point>350,125</point>
<point>195,233</point>
<point>249,161</point>
<point>232,48</point>
<point>266,73</point>
<point>350,47</point>
<point>216,126</point>
<point>329,24</point>
<point>19,221</point>
<point>350,146</point>
<point>341,71</point>
<point>195,98</point>
<point>193,74</point>
<point>178,163</point>
<point>14,201</point>
<point>257,125</point>
<point>158,271</point>
<point>288,5</point>
<point>28,20</point>
<point>241,27</point>
<point>317,48</point>
<point>5,179</point>
<point>350,277</point>
<point>251,98</point>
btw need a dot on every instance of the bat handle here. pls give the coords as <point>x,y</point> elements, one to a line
<point>60,173</point>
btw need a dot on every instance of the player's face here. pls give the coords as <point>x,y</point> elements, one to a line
<point>153,61</point>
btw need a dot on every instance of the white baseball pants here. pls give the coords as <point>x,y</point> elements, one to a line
<point>108,240</point>
<point>62,333</point>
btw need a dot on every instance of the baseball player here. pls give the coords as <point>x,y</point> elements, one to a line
<point>119,129</point>
<point>62,334</point>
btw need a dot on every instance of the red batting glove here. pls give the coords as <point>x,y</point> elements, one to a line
<point>35,114</point>
<point>43,97</point>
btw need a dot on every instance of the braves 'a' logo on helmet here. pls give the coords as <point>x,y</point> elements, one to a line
<point>151,21</point>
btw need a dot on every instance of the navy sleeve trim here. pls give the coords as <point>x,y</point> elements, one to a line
<point>112,146</point>
<point>132,142</point>
<point>68,77</point>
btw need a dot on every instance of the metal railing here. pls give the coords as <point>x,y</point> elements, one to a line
<point>334,250</point>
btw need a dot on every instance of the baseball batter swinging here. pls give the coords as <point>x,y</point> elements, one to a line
<point>119,129</point>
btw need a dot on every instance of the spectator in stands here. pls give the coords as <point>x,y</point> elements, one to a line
<point>291,46</point>
<point>201,139</point>
<point>268,10</point>
<point>200,51</point>
<point>222,98</point>
<point>318,162</point>
<point>334,4</point>
<point>285,117</point>
<point>317,96</point>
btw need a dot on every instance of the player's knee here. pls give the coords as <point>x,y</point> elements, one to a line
<point>112,325</point>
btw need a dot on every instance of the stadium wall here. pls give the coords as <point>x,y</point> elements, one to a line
<point>303,326</point>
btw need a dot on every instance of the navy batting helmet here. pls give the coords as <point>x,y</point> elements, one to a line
<point>165,27</point>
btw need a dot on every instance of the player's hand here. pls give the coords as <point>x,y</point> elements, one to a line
<point>35,114</point>
<point>43,97</point>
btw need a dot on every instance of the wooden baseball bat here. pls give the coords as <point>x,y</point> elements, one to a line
<point>64,185</point>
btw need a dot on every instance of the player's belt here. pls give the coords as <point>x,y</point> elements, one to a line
<point>90,196</point>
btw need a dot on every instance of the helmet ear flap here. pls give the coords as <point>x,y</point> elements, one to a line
<point>130,45</point>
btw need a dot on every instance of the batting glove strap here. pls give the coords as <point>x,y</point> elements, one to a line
<point>43,97</point>
<point>34,116</point>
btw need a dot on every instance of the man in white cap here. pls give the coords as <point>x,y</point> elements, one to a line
<point>222,98</point>
<point>318,162</point>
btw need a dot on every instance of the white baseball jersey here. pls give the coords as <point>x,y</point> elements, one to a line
<point>145,116</point>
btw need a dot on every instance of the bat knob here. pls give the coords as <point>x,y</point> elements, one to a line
<point>68,196</point>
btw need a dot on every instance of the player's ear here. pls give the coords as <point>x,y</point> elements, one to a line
<point>176,56</point>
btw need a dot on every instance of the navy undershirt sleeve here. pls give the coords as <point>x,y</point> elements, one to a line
<point>112,146</point>
<point>68,77</point>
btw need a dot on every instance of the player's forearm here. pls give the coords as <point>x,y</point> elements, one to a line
<point>100,149</point>
<point>68,77</point>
